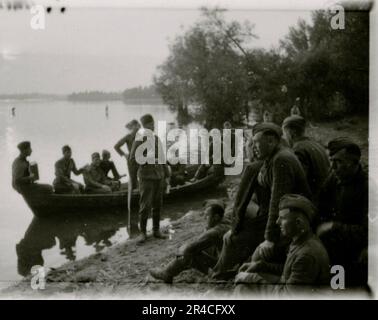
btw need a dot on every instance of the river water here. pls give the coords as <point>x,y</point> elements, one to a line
<point>49,125</point>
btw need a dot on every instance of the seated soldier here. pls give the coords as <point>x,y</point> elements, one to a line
<point>203,169</point>
<point>201,253</point>
<point>107,165</point>
<point>310,153</point>
<point>307,263</point>
<point>277,172</point>
<point>343,208</point>
<point>23,181</point>
<point>63,168</point>
<point>95,179</point>
<point>178,174</point>
<point>216,165</point>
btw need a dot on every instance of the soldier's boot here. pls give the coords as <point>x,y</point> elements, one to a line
<point>143,231</point>
<point>142,238</point>
<point>159,235</point>
<point>156,227</point>
<point>174,268</point>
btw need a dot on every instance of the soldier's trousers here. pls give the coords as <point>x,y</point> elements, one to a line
<point>237,248</point>
<point>200,261</point>
<point>150,201</point>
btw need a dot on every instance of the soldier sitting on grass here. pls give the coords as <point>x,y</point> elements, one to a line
<point>343,208</point>
<point>203,252</point>
<point>307,263</point>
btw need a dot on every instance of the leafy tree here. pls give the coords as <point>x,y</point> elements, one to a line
<point>212,67</point>
<point>330,65</point>
<point>206,68</point>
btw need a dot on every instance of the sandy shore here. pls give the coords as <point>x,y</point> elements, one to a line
<point>122,271</point>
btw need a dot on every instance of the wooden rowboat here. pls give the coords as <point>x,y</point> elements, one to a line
<point>44,205</point>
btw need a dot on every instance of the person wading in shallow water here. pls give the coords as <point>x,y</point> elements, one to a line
<point>152,178</point>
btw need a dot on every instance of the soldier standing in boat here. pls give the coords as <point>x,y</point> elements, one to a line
<point>151,182</point>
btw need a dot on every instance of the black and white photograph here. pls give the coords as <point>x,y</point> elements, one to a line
<point>188,150</point>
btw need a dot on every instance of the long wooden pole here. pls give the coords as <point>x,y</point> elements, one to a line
<point>129,193</point>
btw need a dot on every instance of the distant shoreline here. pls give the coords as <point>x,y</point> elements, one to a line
<point>10,99</point>
<point>137,95</point>
<point>31,97</point>
<point>125,101</point>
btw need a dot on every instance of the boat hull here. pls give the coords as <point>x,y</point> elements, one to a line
<point>45,205</point>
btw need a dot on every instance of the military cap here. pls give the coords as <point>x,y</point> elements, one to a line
<point>23,145</point>
<point>95,155</point>
<point>66,148</point>
<point>147,118</point>
<point>338,144</point>
<point>294,121</point>
<point>267,127</point>
<point>296,201</point>
<point>215,204</point>
<point>132,123</point>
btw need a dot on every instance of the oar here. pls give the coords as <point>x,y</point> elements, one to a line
<point>129,192</point>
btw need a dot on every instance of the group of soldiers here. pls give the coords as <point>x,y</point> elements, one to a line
<point>95,175</point>
<point>299,210</point>
<point>151,179</point>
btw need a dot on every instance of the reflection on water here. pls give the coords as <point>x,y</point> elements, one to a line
<point>27,241</point>
<point>49,125</point>
<point>98,230</point>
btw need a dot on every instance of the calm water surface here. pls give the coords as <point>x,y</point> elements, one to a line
<point>49,125</point>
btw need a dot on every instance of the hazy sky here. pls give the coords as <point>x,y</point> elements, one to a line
<point>106,49</point>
